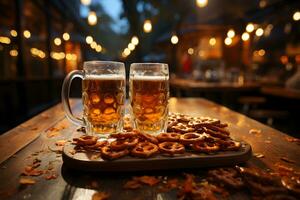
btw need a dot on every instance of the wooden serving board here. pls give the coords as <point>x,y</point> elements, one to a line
<point>91,161</point>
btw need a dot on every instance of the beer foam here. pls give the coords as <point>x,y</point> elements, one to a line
<point>105,77</point>
<point>150,78</point>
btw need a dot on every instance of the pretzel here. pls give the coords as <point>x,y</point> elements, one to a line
<point>190,138</point>
<point>230,145</point>
<point>96,146</point>
<point>144,150</point>
<point>170,137</point>
<point>85,140</point>
<point>121,144</point>
<point>206,146</point>
<point>182,128</point>
<point>171,148</point>
<point>124,135</point>
<point>227,176</point>
<point>216,133</point>
<point>108,153</point>
<point>203,121</point>
<point>148,137</point>
<point>218,129</point>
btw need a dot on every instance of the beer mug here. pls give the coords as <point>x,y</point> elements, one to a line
<point>149,94</point>
<point>103,97</point>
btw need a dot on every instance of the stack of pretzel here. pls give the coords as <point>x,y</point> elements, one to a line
<point>184,133</point>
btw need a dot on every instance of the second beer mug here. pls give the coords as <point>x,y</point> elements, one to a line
<point>103,97</point>
<point>149,94</point>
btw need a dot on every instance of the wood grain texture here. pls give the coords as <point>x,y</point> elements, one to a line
<point>77,185</point>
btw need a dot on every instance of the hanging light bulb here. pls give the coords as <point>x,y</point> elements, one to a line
<point>131,46</point>
<point>57,41</point>
<point>259,32</point>
<point>228,41</point>
<point>135,40</point>
<point>89,39</point>
<point>13,33</point>
<point>92,18</point>
<point>147,26</point>
<point>250,28</point>
<point>212,41</point>
<point>201,3</point>
<point>86,2</point>
<point>245,36</point>
<point>27,34</point>
<point>174,39</point>
<point>191,51</point>
<point>66,36</point>
<point>296,16</point>
<point>231,33</point>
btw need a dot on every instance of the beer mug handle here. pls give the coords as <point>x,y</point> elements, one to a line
<point>65,96</point>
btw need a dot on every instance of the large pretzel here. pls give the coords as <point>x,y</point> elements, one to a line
<point>144,150</point>
<point>121,144</point>
<point>230,145</point>
<point>169,137</point>
<point>182,128</point>
<point>85,140</point>
<point>190,138</point>
<point>124,135</point>
<point>147,137</point>
<point>171,148</point>
<point>206,146</point>
<point>108,153</point>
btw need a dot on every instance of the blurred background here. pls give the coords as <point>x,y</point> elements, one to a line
<point>244,54</point>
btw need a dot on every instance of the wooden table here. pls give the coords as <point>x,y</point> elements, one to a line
<point>75,185</point>
<point>281,92</point>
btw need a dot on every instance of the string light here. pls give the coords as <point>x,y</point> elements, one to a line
<point>296,16</point>
<point>174,39</point>
<point>93,45</point>
<point>212,41</point>
<point>86,2</point>
<point>228,41</point>
<point>57,41</point>
<point>57,55</point>
<point>201,3</point>
<point>66,36</point>
<point>27,34</point>
<point>191,51</point>
<point>259,32</point>
<point>147,26</point>
<point>13,33</point>
<point>245,36</point>
<point>131,46</point>
<point>92,18</point>
<point>127,52</point>
<point>231,33</point>
<point>37,52</point>
<point>98,48</point>
<point>13,52</point>
<point>4,40</point>
<point>71,56</point>
<point>135,40</point>
<point>261,52</point>
<point>250,28</point>
<point>89,39</point>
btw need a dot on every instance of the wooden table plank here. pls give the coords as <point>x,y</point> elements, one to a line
<point>75,185</point>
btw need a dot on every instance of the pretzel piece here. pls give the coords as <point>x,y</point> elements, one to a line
<point>121,144</point>
<point>110,154</point>
<point>206,146</point>
<point>190,138</point>
<point>86,140</point>
<point>171,148</point>
<point>168,137</point>
<point>148,137</point>
<point>144,150</point>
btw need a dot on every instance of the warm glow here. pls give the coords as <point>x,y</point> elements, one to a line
<point>245,36</point>
<point>131,46</point>
<point>66,36</point>
<point>4,40</point>
<point>57,41</point>
<point>89,39</point>
<point>191,51</point>
<point>27,34</point>
<point>86,2</point>
<point>262,3</point>
<point>212,41</point>
<point>36,52</point>
<point>250,28</point>
<point>92,18</point>
<point>296,16</point>
<point>93,45</point>
<point>127,52</point>
<point>174,39</point>
<point>259,32</point>
<point>147,26</point>
<point>228,41</point>
<point>284,59</point>
<point>231,33</point>
<point>13,33</point>
<point>71,56</point>
<point>98,48</point>
<point>297,59</point>
<point>13,52</point>
<point>135,40</point>
<point>201,3</point>
<point>57,55</point>
<point>261,52</point>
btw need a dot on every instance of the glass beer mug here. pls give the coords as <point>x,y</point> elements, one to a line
<point>103,97</point>
<point>149,95</point>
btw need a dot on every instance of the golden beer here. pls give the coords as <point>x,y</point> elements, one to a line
<point>103,103</point>
<point>149,102</point>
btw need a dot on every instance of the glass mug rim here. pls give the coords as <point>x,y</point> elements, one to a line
<point>149,64</point>
<point>94,64</point>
